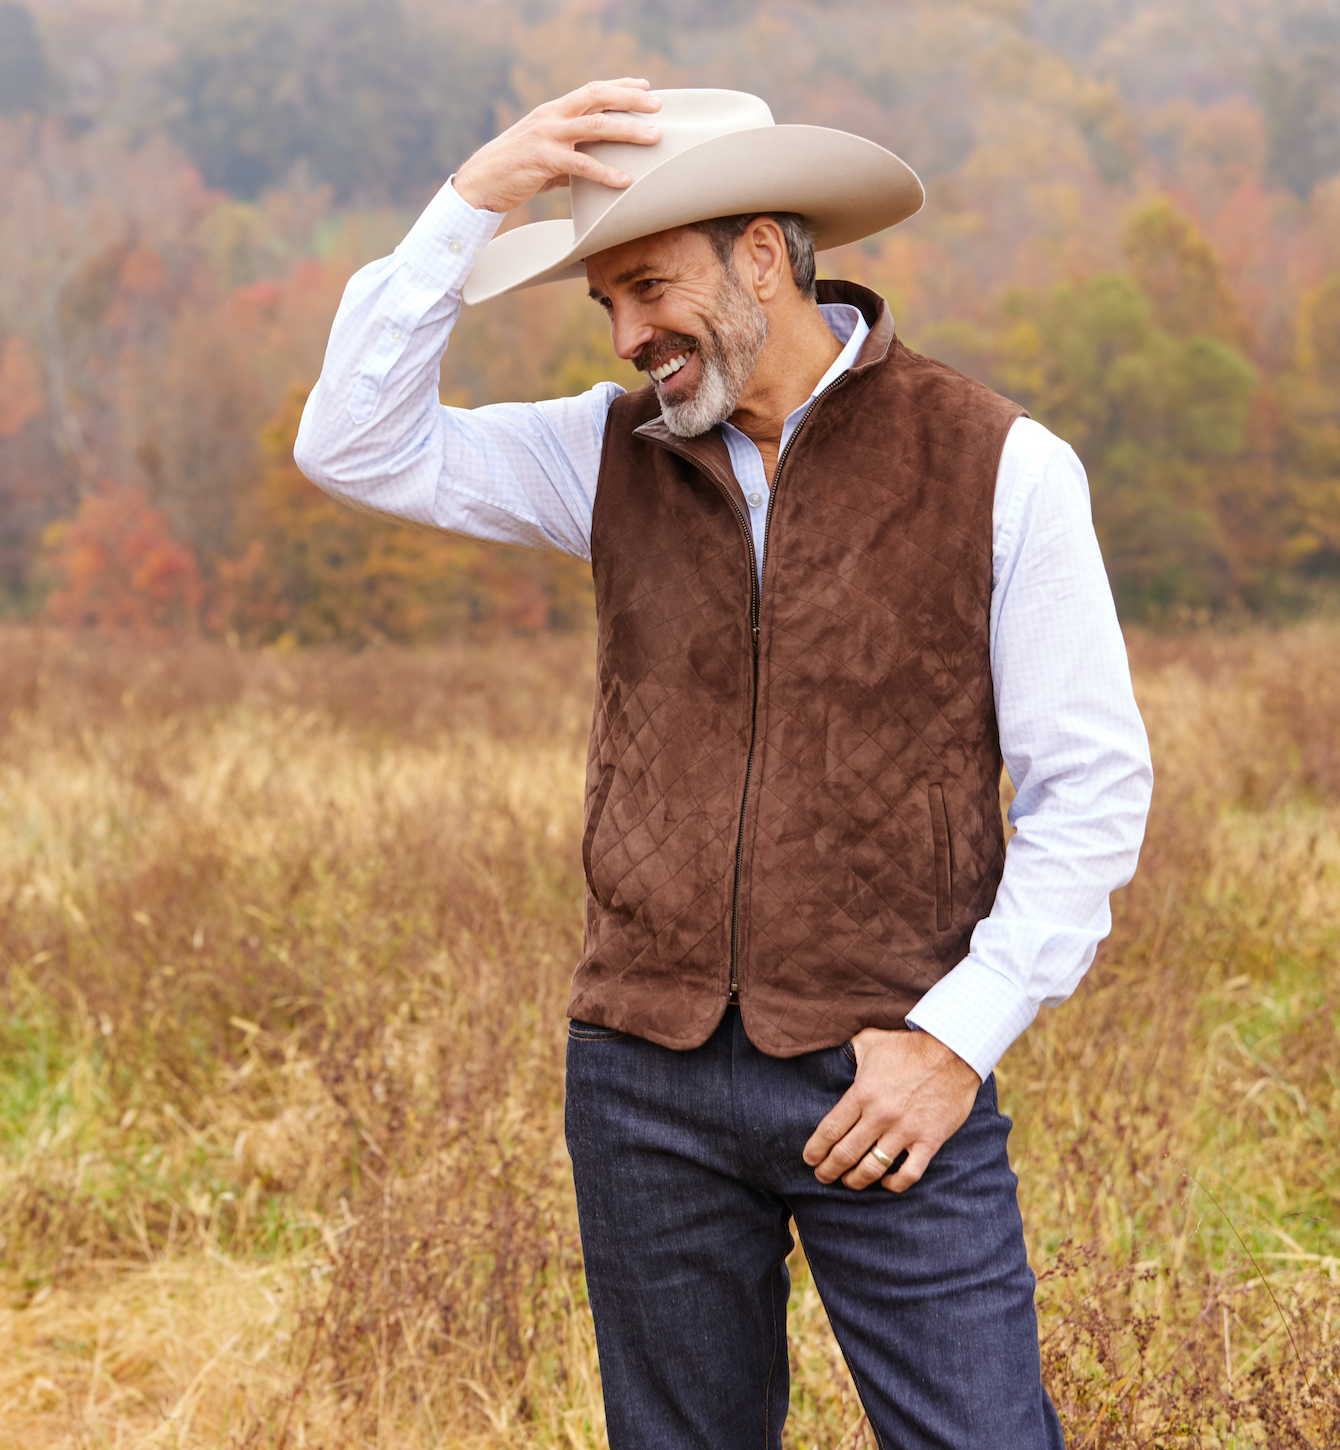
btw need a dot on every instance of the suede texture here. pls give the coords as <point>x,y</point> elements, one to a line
<point>852,762</point>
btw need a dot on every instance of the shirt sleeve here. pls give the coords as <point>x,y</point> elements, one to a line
<point>375,435</point>
<point>1075,748</point>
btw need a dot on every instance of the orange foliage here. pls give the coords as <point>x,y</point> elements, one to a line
<point>157,323</point>
<point>315,570</point>
<point>117,567</point>
<point>21,395</point>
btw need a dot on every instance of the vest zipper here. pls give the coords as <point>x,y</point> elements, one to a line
<point>756,573</point>
<point>756,577</point>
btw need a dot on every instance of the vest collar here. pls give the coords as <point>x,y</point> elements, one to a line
<point>876,312</point>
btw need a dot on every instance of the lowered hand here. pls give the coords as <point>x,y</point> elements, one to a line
<point>911,1094</point>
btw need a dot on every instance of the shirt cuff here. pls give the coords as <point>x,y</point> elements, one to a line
<point>975,1012</point>
<point>447,240</point>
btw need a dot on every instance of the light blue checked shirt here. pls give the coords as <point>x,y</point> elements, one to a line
<point>374,434</point>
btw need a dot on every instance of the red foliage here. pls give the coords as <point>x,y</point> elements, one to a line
<point>117,567</point>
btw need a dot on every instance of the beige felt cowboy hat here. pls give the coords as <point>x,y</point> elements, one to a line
<point>720,154</point>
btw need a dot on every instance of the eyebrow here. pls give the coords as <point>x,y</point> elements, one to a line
<point>643,269</point>
<point>633,273</point>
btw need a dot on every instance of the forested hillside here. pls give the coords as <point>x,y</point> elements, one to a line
<point>1132,227</point>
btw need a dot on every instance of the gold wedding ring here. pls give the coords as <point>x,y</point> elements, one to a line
<point>881,1157</point>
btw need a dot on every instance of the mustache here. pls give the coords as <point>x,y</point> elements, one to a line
<point>664,348</point>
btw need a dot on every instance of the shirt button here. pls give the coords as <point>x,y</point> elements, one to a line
<point>454,248</point>
<point>755,499</point>
<point>397,334</point>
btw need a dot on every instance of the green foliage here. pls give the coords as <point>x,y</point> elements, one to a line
<point>1153,417</point>
<point>1110,133</point>
<point>149,326</point>
<point>1309,402</point>
<point>1179,269</point>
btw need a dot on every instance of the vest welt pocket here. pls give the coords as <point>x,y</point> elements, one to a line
<point>944,861</point>
<point>595,810</point>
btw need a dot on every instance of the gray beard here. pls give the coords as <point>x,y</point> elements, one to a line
<point>728,348</point>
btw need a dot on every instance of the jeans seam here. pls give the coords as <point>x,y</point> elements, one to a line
<point>772,1363</point>
<point>874,1428</point>
<point>601,1035</point>
<point>851,1369</point>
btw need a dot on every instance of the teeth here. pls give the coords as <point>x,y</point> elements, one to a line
<point>673,366</point>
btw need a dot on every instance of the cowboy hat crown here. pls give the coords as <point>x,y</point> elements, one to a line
<point>720,154</point>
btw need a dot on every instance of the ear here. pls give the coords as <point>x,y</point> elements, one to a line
<point>761,258</point>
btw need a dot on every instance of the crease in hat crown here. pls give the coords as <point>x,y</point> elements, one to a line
<point>720,153</point>
<point>687,119</point>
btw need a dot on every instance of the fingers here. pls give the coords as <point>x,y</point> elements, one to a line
<point>538,152</point>
<point>602,126</point>
<point>628,94</point>
<point>564,164</point>
<point>870,1169</point>
<point>607,126</point>
<point>909,1172</point>
<point>910,1095</point>
<point>833,1130</point>
<point>840,1146</point>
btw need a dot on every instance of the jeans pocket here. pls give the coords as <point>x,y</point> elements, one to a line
<point>590,1032</point>
<point>849,1051</point>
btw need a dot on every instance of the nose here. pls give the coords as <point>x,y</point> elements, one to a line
<point>629,332</point>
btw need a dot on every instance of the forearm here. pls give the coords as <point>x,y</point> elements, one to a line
<point>1076,750</point>
<point>1040,938</point>
<point>375,435</point>
<point>370,432</point>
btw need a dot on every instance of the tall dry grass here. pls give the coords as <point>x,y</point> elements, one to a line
<point>285,944</point>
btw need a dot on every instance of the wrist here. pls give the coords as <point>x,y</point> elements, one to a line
<point>945,1058</point>
<point>474,195</point>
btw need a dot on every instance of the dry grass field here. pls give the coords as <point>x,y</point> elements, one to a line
<point>284,948</point>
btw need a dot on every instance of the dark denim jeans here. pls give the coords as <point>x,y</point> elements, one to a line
<point>688,1172</point>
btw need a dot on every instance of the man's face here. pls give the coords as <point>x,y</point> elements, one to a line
<point>685,320</point>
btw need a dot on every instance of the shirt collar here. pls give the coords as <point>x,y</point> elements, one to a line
<point>851,329</point>
<point>847,324</point>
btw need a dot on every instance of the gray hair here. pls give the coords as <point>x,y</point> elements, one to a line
<point>724,231</point>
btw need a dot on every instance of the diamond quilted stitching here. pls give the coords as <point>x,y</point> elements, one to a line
<point>874,678</point>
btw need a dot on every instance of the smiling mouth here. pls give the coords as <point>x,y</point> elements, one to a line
<point>668,368</point>
<point>664,373</point>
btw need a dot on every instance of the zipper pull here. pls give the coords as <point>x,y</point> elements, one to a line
<point>755,634</point>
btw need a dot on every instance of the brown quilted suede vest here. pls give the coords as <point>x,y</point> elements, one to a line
<point>795,790</point>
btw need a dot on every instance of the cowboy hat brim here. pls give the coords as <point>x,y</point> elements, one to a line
<point>843,185</point>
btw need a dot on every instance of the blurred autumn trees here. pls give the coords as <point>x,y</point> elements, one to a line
<point>119,568</point>
<point>1133,227</point>
<point>374,99</point>
<point>316,571</point>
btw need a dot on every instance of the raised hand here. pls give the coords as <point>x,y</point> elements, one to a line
<point>538,153</point>
<point>910,1094</point>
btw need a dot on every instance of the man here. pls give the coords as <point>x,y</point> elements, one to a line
<point>834,581</point>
